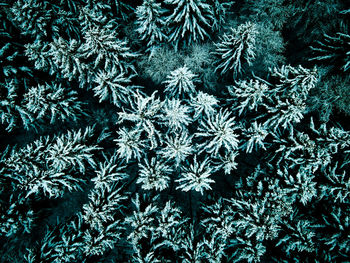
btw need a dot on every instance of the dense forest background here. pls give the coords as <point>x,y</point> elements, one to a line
<point>174,131</point>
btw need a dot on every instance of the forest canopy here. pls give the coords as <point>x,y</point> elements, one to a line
<point>174,131</point>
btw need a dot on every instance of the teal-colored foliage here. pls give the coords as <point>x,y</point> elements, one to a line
<point>209,131</point>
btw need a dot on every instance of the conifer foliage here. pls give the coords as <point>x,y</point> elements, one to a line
<point>207,131</point>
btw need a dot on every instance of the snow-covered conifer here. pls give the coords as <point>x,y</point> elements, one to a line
<point>38,52</point>
<point>169,221</point>
<point>301,186</point>
<point>32,16</point>
<point>189,21</point>
<point>154,175</point>
<point>50,166</point>
<point>196,176</point>
<point>112,85</point>
<point>337,186</point>
<point>249,95</point>
<point>227,162</point>
<point>65,58</point>
<point>52,102</point>
<point>141,221</point>
<point>15,219</point>
<point>219,132</point>
<point>11,112</point>
<point>150,22</point>
<point>175,115</point>
<point>236,48</point>
<point>180,82</point>
<point>255,135</point>
<point>220,12</point>
<point>105,50</point>
<point>177,147</point>
<point>300,236</point>
<point>130,145</point>
<point>295,81</point>
<point>144,112</point>
<point>203,103</point>
<point>334,50</point>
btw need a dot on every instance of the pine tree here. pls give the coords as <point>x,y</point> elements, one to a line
<point>144,111</point>
<point>113,85</point>
<point>130,145</point>
<point>203,104</point>
<point>175,115</point>
<point>236,49</point>
<point>11,111</point>
<point>52,102</point>
<point>249,95</point>
<point>154,175</point>
<point>177,147</point>
<point>38,52</point>
<point>219,129</point>
<point>50,166</point>
<point>105,50</point>
<point>196,177</point>
<point>65,59</point>
<point>150,23</point>
<point>189,21</point>
<point>32,16</point>
<point>180,82</point>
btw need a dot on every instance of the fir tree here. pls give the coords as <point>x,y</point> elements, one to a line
<point>150,22</point>
<point>52,102</point>
<point>189,21</point>
<point>237,48</point>
<point>180,82</point>
<point>196,177</point>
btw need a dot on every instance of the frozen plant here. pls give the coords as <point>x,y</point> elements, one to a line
<point>219,131</point>
<point>112,85</point>
<point>141,221</point>
<point>154,175</point>
<point>144,113</point>
<point>196,177</point>
<point>66,58</point>
<point>334,50</point>
<point>175,115</point>
<point>203,103</point>
<point>255,135</point>
<point>189,21</point>
<point>295,81</point>
<point>10,111</point>
<point>150,22</point>
<point>236,48</point>
<point>106,50</point>
<point>71,151</point>
<point>249,95</point>
<point>227,162</point>
<point>104,202</point>
<point>32,16</point>
<point>177,147</point>
<point>38,52</point>
<point>180,82</point>
<point>53,102</point>
<point>130,145</point>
